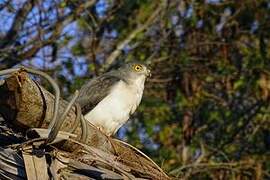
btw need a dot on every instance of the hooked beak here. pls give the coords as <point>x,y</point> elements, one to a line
<point>148,73</point>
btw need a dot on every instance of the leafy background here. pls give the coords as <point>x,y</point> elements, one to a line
<point>205,111</point>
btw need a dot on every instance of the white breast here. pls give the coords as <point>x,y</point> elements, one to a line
<point>114,110</point>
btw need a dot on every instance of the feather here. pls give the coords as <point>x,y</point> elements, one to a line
<point>95,90</point>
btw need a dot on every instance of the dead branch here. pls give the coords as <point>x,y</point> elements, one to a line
<point>25,104</point>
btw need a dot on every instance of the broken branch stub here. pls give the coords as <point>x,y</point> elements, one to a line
<point>25,104</point>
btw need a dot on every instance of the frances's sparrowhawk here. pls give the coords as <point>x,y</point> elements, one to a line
<point>107,101</point>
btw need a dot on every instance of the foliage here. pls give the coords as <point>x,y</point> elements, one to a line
<point>205,110</point>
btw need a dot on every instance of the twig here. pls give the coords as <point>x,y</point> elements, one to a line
<point>77,120</point>
<point>17,23</point>
<point>210,165</point>
<point>84,129</point>
<point>8,71</point>
<point>57,125</point>
<point>137,150</point>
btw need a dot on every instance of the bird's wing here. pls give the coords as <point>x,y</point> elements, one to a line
<point>96,90</point>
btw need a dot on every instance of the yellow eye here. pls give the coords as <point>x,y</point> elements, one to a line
<point>137,67</point>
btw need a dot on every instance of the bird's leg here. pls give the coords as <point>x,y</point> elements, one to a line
<point>108,137</point>
<point>114,149</point>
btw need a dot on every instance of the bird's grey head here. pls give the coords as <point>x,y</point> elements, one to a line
<point>134,70</point>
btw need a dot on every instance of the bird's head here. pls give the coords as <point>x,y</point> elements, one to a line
<point>135,70</point>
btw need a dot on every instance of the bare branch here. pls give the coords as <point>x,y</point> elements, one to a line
<point>56,30</point>
<point>17,23</point>
<point>122,44</point>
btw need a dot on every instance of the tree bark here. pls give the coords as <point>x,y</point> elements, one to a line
<point>25,104</point>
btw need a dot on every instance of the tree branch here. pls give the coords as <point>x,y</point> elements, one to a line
<point>17,24</point>
<point>25,104</point>
<point>122,44</point>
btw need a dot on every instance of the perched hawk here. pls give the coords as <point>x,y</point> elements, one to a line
<point>108,100</point>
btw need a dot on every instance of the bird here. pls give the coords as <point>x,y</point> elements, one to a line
<point>108,100</point>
